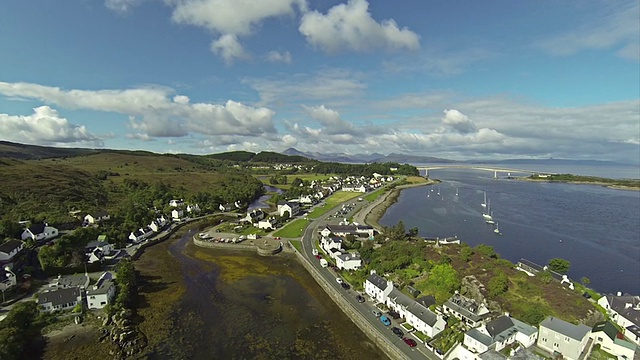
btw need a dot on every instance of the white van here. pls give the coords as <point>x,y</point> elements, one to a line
<point>314,252</point>
<point>323,263</point>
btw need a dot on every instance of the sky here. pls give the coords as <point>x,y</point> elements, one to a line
<point>452,79</point>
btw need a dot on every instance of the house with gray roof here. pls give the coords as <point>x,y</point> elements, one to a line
<point>9,249</point>
<point>102,292</point>
<point>424,320</point>
<point>377,287</point>
<point>612,341</point>
<point>499,333</point>
<point>348,261</point>
<point>467,310</point>
<point>624,310</point>
<point>70,281</point>
<point>60,299</point>
<point>39,232</point>
<point>562,338</point>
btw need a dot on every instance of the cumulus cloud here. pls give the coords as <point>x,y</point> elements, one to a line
<point>228,48</point>
<point>458,121</point>
<point>350,27</point>
<point>231,19</point>
<point>279,57</point>
<point>156,111</point>
<point>45,127</point>
<point>616,26</point>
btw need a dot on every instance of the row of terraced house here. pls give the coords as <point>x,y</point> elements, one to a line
<point>491,335</point>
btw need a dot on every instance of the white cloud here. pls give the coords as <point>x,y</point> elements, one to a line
<point>236,17</point>
<point>616,26</point>
<point>156,111</point>
<point>289,140</point>
<point>350,27</point>
<point>122,6</point>
<point>275,56</point>
<point>228,48</point>
<point>458,121</point>
<point>45,127</point>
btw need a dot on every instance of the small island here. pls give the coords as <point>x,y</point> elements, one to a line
<point>625,184</point>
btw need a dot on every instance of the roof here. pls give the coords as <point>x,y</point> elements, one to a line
<point>480,337</point>
<point>8,246</point>
<point>349,256</point>
<point>628,306</point>
<point>341,228</point>
<point>531,264</point>
<point>576,332</point>
<point>99,214</point>
<point>37,228</point>
<point>465,307</point>
<point>606,327</point>
<point>499,325</point>
<point>95,243</point>
<point>101,287</point>
<point>377,281</point>
<point>59,296</point>
<point>635,329</point>
<point>524,327</point>
<point>72,280</point>
<point>426,301</point>
<point>422,313</point>
<point>400,298</point>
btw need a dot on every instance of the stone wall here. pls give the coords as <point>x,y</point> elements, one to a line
<point>373,334</point>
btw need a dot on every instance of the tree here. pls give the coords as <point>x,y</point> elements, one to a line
<point>585,281</point>
<point>559,265</point>
<point>445,277</point>
<point>486,250</point>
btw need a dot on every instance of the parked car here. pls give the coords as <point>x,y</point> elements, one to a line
<point>318,257</point>
<point>345,286</point>
<point>376,312</point>
<point>410,342</point>
<point>339,280</point>
<point>397,331</point>
<point>393,314</point>
<point>360,298</point>
<point>385,320</point>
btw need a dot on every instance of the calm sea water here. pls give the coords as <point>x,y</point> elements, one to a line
<point>597,229</point>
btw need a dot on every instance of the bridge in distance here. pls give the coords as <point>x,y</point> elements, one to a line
<point>496,170</point>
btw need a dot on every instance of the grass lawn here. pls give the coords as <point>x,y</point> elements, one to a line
<point>319,211</point>
<point>422,336</point>
<point>416,179</point>
<point>297,244</point>
<point>407,326</point>
<point>293,229</point>
<point>341,196</point>
<point>375,195</point>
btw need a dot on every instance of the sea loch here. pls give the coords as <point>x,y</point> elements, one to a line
<point>596,228</point>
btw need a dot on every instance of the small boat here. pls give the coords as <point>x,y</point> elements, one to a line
<point>496,230</point>
<point>490,220</point>
<point>484,203</point>
<point>487,215</point>
<point>456,191</point>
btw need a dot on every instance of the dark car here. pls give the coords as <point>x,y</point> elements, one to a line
<point>360,298</point>
<point>393,314</point>
<point>410,342</point>
<point>345,286</point>
<point>397,331</point>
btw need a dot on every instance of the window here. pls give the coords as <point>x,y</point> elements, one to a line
<point>566,338</point>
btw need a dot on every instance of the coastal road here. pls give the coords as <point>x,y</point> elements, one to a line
<point>365,309</point>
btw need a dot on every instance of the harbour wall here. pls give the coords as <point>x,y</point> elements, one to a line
<point>374,335</point>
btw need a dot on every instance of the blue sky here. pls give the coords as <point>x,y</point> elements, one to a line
<point>460,80</point>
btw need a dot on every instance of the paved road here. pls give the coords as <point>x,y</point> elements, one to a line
<point>309,239</point>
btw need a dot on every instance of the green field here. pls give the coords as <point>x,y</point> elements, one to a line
<point>375,195</point>
<point>297,244</point>
<point>293,229</point>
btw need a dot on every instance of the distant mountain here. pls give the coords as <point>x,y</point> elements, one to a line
<point>551,161</point>
<point>34,152</point>
<point>367,158</point>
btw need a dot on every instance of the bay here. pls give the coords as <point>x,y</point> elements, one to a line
<point>596,228</point>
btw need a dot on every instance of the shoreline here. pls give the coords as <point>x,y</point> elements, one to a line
<point>600,183</point>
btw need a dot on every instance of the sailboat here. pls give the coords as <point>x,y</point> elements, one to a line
<point>456,191</point>
<point>487,215</point>
<point>490,220</point>
<point>496,230</point>
<point>484,203</point>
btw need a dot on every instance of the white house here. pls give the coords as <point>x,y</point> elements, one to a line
<point>344,230</point>
<point>95,250</point>
<point>254,216</point>
<point>71,281</point>
<point>349,261</point>
<point>293,208</point>
<point>416,314</point>
<point>610,340</point>
<point>624,310</point>
<point>176,202</point>
<point>102,292</point>
<point>498,334</point>
<point>96,217</point>
<point>136,235</point>
<point>377,287</point>
<point>9,249</point>
<point>267,224</point>
<point>193,209</point>
<point>60,298</point>
<point>327,244</point>
<point>177,214</point>
<point>39,232</point>
<point>556,335</point>
<point>466,310</point>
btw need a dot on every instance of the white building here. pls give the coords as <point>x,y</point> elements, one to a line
<point>9,249</point>
<point>102,292</point>
<point>624,310</point>
<point>60,298</point>
<point>607,336</point>
<point>349,261</point>
<point>267,224</point>
<point>377,287</point>
<point>556,335</point>
<point>96,217</point>
<point>417,315</point>
<point>498,334</point>
<point>176,202</point>
<point>293,208</point>
<point>39,232</point>
<point>177,214</point>
<point>327,244</point>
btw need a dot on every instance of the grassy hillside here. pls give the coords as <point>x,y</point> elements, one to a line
<point>26,152</point>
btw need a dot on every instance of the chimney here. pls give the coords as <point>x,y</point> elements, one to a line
<point>619,293</point>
